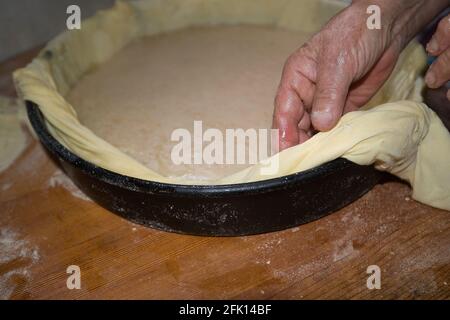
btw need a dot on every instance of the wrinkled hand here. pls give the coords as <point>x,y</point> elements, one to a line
<point>439,72</point>
<point>340,68</point>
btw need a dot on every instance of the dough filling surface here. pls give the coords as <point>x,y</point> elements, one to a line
<point>224,76</point>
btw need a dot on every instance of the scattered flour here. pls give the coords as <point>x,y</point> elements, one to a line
<point>297,272</point>
<point>343,248</point>
<point>266,249</point>
<point>59,179</point>
<point>381,229</point>
<point>16,258</point>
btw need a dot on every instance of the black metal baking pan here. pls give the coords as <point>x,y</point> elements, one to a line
<point>214,210</point>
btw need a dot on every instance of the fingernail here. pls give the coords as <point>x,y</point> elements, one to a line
<point>433,46</point>
<point>430,79</point>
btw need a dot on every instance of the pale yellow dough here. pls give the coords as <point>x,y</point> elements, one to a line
<point>395,131</point>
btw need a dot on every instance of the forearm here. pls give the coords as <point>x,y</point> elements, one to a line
<point>404,19</point>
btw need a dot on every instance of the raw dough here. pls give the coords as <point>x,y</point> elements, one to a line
<point>403,137</point>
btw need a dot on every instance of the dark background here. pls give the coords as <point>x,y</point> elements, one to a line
<point>25,24</point>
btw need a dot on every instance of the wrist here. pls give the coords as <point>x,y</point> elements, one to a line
<point>402,20</point>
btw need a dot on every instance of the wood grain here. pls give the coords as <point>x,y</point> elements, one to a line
<point>50,227</point>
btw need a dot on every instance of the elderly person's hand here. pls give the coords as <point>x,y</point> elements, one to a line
<point>439,72</point>
<point>340,68</point>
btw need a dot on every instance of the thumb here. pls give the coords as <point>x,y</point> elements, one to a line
<point>332,86</point>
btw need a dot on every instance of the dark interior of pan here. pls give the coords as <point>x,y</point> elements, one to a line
<point>216,210</point>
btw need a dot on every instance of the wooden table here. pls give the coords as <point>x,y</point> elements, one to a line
<point>46,226</point>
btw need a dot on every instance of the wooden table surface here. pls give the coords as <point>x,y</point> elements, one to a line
<point>47,225</point>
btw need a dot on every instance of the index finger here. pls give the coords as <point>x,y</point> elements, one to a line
<point>287,115</point>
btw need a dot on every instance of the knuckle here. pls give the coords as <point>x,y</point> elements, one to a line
<point>290,62</point>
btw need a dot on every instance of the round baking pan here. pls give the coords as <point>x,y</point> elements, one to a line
<point>214,210</point>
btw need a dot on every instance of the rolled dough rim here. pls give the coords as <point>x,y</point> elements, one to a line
<point>143,185</point>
